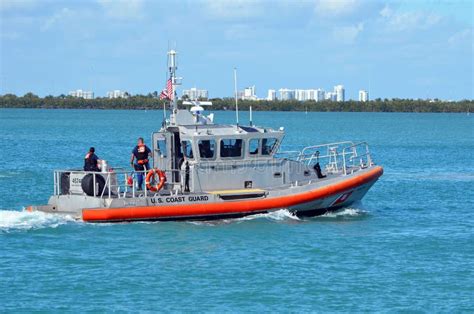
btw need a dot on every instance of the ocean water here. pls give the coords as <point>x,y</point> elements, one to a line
<point>409,245</point>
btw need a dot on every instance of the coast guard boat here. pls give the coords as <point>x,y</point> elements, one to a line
<point>203,170</point>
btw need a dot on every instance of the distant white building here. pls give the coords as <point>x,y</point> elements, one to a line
<point>79,93</point>
<point>311,94</point>
<point>300,94</point>
<point>248,93</point>
<point>332,96</point>
<point>363,95</point>
<point>117,94</point>
<point>196,94</point>
<point>271,95</point>
<point>286,94</point>
<point>319,94</point>
<point>339,90</point>
<point>307,94</point>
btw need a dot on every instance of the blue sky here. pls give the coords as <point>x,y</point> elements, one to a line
<point>405,49</point>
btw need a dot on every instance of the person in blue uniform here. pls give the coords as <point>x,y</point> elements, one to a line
<point>91,161</point>
<point>139,160</point>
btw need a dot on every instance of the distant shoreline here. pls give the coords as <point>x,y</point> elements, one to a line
<point>152,103</point>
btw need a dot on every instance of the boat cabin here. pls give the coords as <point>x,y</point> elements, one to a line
<point>204,156</point>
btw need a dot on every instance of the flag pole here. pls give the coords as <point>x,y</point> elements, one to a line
<point>164,112</point>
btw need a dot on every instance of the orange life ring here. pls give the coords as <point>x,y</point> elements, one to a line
<point>151,174</point>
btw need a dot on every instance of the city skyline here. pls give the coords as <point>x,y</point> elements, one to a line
<point>248,93</point>
<point>392,49</point>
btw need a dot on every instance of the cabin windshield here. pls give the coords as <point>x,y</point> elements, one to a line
<point>254,145</point>
<point>207,149</point>
<point>231,148</point>
<point>268,145</point>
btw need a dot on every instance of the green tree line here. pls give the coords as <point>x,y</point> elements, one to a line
<point>151,101</point>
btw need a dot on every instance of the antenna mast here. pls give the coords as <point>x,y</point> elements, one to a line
<point>175,81</point>
<point>236,100</point>
<point>251,122</point>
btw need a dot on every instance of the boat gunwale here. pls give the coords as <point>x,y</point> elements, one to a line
<point>136,213</point>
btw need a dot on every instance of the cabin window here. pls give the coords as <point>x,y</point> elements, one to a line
<point>187,149</point>
<point>161,147</point>
<point>231,148</point>
<point>254,145</point>
<point>268,145</point>
<point>207,149</point>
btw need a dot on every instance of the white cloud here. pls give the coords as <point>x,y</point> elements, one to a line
<point>10,35</point>
<point>239,31</point>
<point>123,9</point>
<point>461,37</point>
<point>232,9</point>
<point>335,7</point>
<point>64,13</point>
<point>404,21</point>
<point>386,12</point>
<point>6,5</point>
<point>347,34</point>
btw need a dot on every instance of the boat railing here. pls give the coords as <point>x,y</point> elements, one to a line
<point>115,183</point>
<point>340,157</point>
<point>288,154</point>
<point>358,156</point>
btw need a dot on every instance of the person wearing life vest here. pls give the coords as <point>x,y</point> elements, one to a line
<point>91,161</point>
<point>139,160</point>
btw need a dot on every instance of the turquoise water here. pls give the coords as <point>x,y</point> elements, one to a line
<point>408,246</point>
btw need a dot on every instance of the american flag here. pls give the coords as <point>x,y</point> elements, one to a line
<point>168,92</point>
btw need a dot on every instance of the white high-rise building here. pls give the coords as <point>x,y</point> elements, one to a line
<point>286,94</point>
<point>271,95</point>
<point>79,93</point>
<point>88,95</point>
<point>248,93</point>
<point>117,94</point>
<point>196,94</point>
<point>332,96</point>
<point>339,90</point>
<point>363,95</point>
<point>300,94</point>
<point>319,94</point>
<point>311,94</point>
<point>76,93</point>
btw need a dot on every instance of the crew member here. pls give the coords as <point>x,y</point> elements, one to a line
<point>91,161</point>
<point>186,177</point>
<point>140,155</point>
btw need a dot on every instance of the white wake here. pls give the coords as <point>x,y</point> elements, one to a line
<point>278,215</point>
<point>12,220</point>
<point>346,212</point>
<point>283,215</point>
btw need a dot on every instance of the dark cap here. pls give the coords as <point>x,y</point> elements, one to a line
<point>92,149</point>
